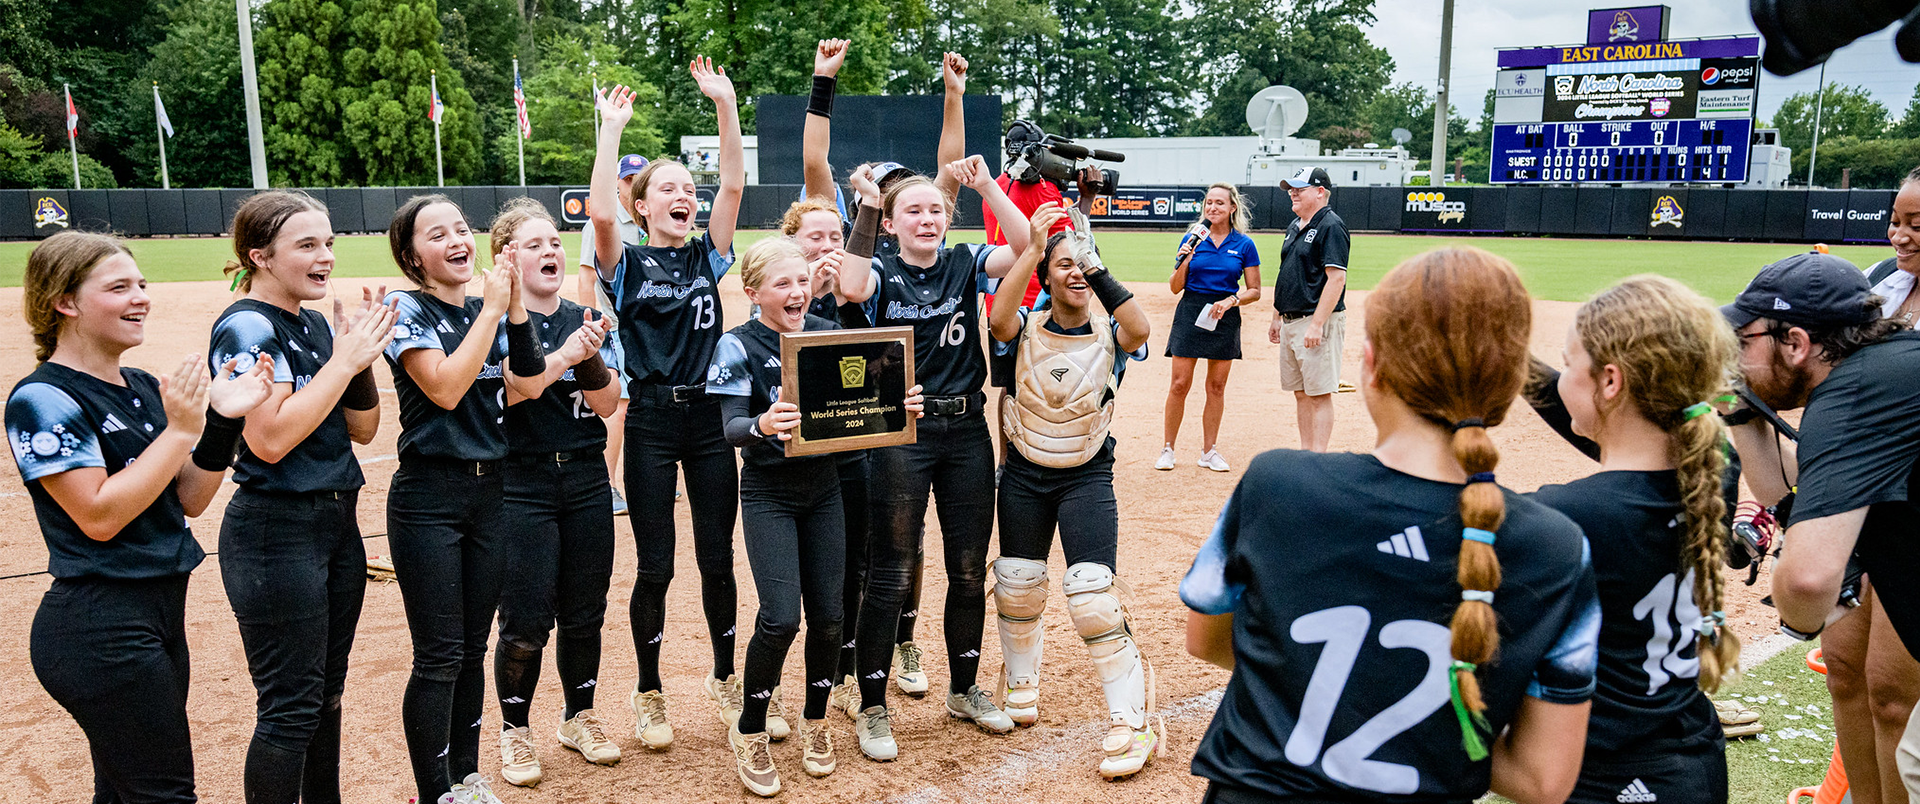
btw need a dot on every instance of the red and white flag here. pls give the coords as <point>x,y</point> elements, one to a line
<point>438,110</point>
<point>73,116</point>
<point>520,103</point>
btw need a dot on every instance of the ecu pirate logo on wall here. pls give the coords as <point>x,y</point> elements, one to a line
<point>1666,210</point>
<point>48,212</point>
<point>1624,27</point>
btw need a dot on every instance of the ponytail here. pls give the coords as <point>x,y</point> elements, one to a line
<point>1698,452</point>
<point>1483,507</point>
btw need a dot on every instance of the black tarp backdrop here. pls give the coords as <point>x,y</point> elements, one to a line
<point>1832,216</point>
<point>874,128</point>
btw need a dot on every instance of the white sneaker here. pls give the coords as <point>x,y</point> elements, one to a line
<point>907,674</point>
<point>518,765</point>
<point>974,705</point>
<point>778,728</point>
<point>727,697</point>
<point>1166,459</point>
<point>585,734</point>
<point>477,790</point>
<point>650,724</point>
<point>1125,751</point>
<point>846,697</point>
<point>1212,460</point>
<point>874,728</point>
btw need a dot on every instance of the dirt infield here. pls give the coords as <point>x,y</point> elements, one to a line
<point>1163,516</point>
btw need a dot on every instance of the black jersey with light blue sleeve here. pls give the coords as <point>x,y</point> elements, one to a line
<point>1340,576</point>
<point>300,345</point>
<point>475,429</point>
<point>1648,700</point>
<point>59,420</point>
<point>746,366</point>
<point>668,301</point>
<point>942,305</point>
<point>560,420</point>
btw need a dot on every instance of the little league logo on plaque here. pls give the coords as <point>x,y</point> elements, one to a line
<point>851,386</point>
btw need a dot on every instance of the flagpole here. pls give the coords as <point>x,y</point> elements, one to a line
<point>73,148</point>
<point>250,84</point>
<point>595,105</point>
<point>439,170</point>
<point>519,142</point>
<point>160,132</point>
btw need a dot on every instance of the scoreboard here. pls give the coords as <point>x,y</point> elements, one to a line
<point>1626,151</point>
<point>1654,112</point>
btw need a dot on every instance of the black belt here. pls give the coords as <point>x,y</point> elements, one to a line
<point>678,394</point>
<point>949,406</point>
<point>451,465</point>
<point>1294,316</point>
<point>554,457</point>
<point>299,496</point>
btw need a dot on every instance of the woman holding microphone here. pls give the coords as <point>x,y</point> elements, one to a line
<point>1214,258</point>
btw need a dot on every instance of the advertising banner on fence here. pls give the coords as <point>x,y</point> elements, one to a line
<point>1145,204</point>
<point>1433,209</point>
<point>573,205</point>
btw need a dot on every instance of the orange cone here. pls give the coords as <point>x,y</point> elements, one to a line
<point>1833,789</point>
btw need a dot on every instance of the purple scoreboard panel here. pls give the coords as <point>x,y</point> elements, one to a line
<point>1663,112</point>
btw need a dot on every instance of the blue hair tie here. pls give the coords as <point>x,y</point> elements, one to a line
<point>1480,477</point>
<point>1477,535</point>
<point>1475,594</point>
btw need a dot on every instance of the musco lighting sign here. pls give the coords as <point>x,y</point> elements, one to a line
<point>1431,209</point>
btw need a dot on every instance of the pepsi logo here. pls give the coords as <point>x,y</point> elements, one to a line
<point>1710,76</point>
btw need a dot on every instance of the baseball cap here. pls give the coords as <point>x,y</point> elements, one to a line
<point>631,164</point>
<point>885,170</point>
<point>1805,290</point>
<point>1308,177</point>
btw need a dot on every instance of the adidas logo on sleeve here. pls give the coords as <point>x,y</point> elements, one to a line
<point>1406,544</point>
<point>1636,793</point>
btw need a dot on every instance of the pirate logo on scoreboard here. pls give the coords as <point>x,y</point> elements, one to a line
<point>1624,27</point>
<point>1667,210</point>
<point>48,212</point>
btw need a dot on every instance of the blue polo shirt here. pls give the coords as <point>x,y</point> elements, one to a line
<point>1216,270</point>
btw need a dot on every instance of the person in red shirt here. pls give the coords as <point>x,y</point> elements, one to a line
<point>1029,197</point>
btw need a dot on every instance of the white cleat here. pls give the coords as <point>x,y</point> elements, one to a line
<point>1166,461</point>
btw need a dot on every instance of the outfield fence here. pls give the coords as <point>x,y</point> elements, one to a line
<point>1832,216</point>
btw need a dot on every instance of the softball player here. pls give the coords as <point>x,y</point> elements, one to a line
<point>291,558</point>
<point>935,290</point>
<point>560,523</point>
<point>668,304</point>
<point>1067,364</point>
<point>104,453</point>
<point>453,358</point>
<point>1326,636</point>
<point>1646,360</point>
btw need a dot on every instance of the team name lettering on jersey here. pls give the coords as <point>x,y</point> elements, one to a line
<point>663,290</point>
<point>897,310</point>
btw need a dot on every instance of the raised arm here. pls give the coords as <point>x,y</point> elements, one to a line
<point>1178,282</point>
<point>856,272</point>
<point>972,172</point>
<point>953,124</point>
<point>816,136</point>
<point>1004,319</point>
<point>715,84</point>
<point>603,196</point>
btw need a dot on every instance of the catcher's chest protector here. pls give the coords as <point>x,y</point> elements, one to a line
<point>1062,399</point>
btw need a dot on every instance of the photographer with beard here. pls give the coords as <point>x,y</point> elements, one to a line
<point>1812,337</point>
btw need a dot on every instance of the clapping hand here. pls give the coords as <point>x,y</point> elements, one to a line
<point>360,338</point>
<point>234,397</point>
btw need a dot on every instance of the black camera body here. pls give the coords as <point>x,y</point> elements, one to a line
<point>1033,155</point>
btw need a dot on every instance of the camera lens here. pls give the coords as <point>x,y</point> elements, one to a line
<point>1803,33</point>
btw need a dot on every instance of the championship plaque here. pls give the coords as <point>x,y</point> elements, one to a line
<point>851,386</point>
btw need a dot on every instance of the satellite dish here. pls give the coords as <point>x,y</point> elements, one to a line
<point>1276,112</point>
<point>1402,136</point>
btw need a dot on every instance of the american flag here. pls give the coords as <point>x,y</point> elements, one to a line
<point>520,103</point>
<point>438,109</point>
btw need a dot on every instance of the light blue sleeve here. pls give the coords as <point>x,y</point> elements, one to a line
<point>1565,675</point>
<point>729,375</point>
<point>50,433</point>
<point>245,336</point>
<point>412,327</point>
<point>718,264</point>
<point>982,282</point>
<point>1206,589</point>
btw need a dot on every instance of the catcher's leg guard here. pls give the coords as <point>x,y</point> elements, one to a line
<point>1020,595</point>
<point>1100,615</point>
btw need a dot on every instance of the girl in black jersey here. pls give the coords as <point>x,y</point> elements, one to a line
<point>290,551</point>
<point>796,538</point>
<point>1067,360</point>
<point>559,545</point>
<point>452,365</point>
<point>935,290</point>
<point>1360,600</point>
<point>668,301</point>
<point>1646,361</point>
<point>103,450</point>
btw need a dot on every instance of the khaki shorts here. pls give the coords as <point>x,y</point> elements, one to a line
<point>1315,371</point>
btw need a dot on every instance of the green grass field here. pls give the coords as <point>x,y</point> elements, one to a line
<point>1558,269</point>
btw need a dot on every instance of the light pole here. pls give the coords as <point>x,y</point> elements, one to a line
<point>256,142</point>
<point>1437,171</point>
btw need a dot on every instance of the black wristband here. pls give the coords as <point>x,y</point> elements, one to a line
<point>524,356</point>
<point>1108,290</point>
<point>821,101</point>
<point>866,230</point>
<point>219,440</point>
<point>592,373</point>
<point>362,393</point>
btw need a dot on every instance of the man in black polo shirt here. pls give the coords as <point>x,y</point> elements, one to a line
<point>1310,299</point>
<point>1811,336</point>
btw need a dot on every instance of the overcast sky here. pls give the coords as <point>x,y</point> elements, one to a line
<point>1410,32</point>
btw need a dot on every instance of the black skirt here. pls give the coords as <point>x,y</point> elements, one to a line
<point>1185,339</point>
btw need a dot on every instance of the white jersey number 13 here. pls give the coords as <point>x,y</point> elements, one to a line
<point>1343,629</point>
<point>702,312</point>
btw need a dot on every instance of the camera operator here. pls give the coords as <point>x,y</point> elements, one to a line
<point>1812,336</point>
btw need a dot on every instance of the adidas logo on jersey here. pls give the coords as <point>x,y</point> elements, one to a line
<point>443,327</point>
<point>1406,544</point>
<point>772,362</point>
<point>111,425</point>
<point>1636,793</point>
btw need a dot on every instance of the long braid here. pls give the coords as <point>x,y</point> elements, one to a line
<point>1700,462</point>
